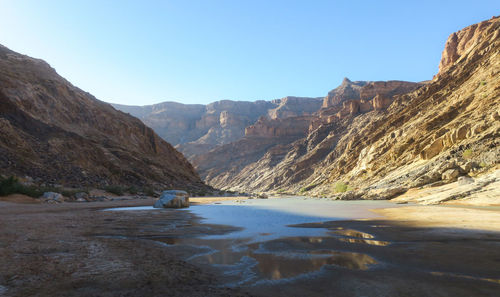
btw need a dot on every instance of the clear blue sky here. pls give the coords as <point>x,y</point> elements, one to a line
<point>144,52</point>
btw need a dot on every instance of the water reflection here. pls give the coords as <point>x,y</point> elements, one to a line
<point>269,247</point>
<point>274,260</point>
<point>353,233</point>
<point>365,241</point>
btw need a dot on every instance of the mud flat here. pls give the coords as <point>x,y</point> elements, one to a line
<point>80,250</point>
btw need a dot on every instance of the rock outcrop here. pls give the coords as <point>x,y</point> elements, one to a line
<point>365,91</point>
<point>294,106</point>
<point>287,127</point>
<point>58,134</point>
<point>460,43</point>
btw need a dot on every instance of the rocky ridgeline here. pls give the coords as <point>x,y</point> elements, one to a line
<point>353,98</point>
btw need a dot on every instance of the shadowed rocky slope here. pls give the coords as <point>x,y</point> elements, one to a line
<point>59,134</point>
<point>383,138</point>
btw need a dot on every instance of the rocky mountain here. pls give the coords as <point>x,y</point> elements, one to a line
<point>270,139</point>
<point>379,139</point>
<point>196,129</point>
<point>56,133</point>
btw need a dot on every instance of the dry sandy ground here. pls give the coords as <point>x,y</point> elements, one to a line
<point>459,218</point>
<point>204,200</point>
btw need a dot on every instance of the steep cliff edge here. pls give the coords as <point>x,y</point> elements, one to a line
<point>56,133</point>
<point>427,134</point>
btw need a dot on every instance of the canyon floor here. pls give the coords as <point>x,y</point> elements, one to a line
<point>76,249</point>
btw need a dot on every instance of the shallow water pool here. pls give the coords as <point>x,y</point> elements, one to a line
<point>268,247</point>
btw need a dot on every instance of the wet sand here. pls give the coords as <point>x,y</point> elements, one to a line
<point>74,249</point>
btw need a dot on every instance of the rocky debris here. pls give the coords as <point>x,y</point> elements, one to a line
<point>483,190</point>
<point>172,199</point>
<point>52,197</point>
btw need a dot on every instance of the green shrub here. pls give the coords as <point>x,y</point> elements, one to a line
<point>114,189</point>
<point>132,190</point>
<point>467,154</point>
<point>308,188</point>
<point>342,187</point>
<point>148,191</point>
<point>11,185</point>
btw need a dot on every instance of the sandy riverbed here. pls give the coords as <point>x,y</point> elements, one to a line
<point>75,249</point>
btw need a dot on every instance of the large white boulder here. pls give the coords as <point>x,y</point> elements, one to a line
<point>52,197</point>
<point>173,199</point>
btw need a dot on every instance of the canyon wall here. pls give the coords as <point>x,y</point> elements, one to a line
<point>383,138</point>
<point>55,133</point>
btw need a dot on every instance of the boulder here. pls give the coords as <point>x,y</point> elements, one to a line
<point>52,197</point>
<point>172,199</point>
<point>262,196</point>
<point>384,193</point>
<point>441,168</point>
<point>450,174</point>
<point>468,166</point>
<point>349,195</point>
<point>425,179</point>
<point>81,196</point>
<point>465,180</point>
<point>432,149</point>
